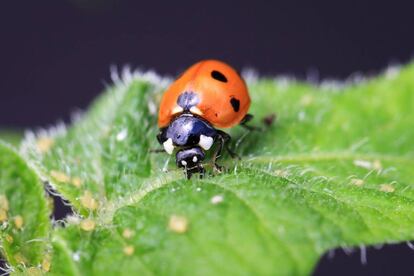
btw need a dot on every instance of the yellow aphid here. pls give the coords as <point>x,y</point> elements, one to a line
<point>60,176</point>
<point>3,215</point>
<point>87,225</point>
<point>9,238</point>
<point>18,221</point>
<point>20,258</point>
<point>46,263</point>
<point>129,250</point>
<point>357,182</point>
<point>43,144</point>
<point>77,182</point>
<point>34,271</point>
<point>4,203</point>
<point>88,201</point>
<point>178,224</point>
<point>128,233</point>
<point>387,188</point>
<point>377,165</point>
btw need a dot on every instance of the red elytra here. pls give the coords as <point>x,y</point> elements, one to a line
<point>223,98</point>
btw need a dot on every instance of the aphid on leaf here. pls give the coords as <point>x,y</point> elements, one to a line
<point>208,95</point>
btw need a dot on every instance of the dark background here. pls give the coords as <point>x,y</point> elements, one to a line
<point>55,57</point>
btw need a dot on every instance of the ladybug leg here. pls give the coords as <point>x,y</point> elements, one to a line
<point>201,171</point>
<point>188,172</point>
<point>223,140</point>
<point>227,139</point>
<point>247,119</point>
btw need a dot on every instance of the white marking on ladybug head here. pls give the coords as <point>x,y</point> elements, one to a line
<point>168,146</point>
<point>184,163</point>
<point>195,159</point>
<point>205,142</point>
<point>177,109</point>
<point>196,110</point>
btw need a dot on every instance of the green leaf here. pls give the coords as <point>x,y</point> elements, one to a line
<point>62,262</point>
<point>335,170</point>
<point>24,214</point>
<point>104,153</point>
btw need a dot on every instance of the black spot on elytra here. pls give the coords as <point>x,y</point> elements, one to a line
<point>235,103</point>
<point>218,76</point>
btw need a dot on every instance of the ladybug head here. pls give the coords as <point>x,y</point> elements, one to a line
<point>189,157</point>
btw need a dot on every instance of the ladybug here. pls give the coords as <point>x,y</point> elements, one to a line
<point>208,95</point>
